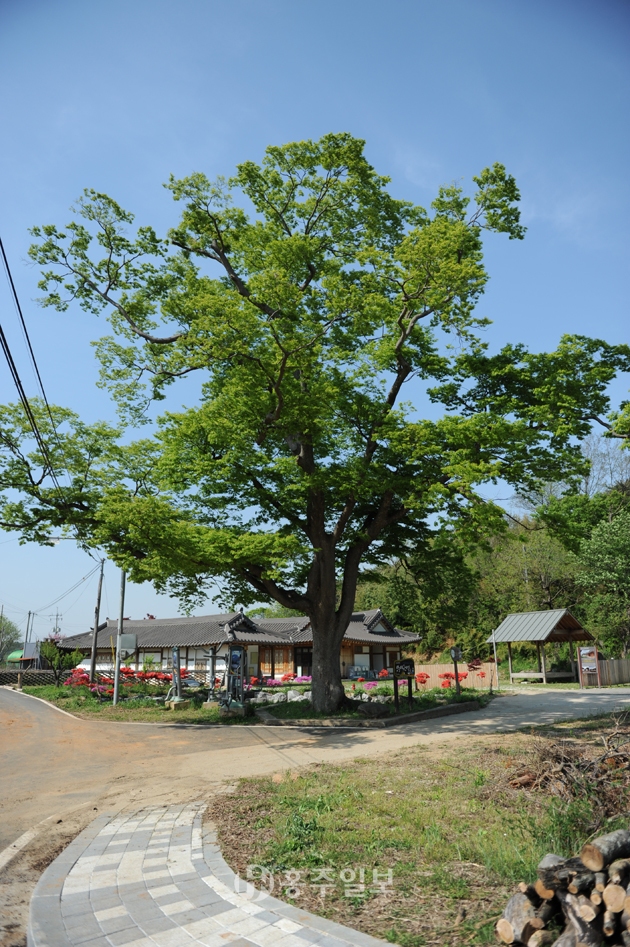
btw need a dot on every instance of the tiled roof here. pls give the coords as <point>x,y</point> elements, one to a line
<point>208,630</point>
<point>199,631</point>
<point>556,624</point>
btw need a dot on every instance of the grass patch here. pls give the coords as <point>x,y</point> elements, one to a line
<point>80,702</point>
<point>447,824</point>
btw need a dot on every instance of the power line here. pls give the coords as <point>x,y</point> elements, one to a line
<point>27,407</point>
<point>27,339</point>
<point>76,585</point>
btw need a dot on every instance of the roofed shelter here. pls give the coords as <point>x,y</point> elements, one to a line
<point>557,624</point>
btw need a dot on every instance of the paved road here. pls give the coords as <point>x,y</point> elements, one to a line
<point>51,763</point>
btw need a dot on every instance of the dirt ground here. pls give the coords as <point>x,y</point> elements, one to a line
<point>57,772</point>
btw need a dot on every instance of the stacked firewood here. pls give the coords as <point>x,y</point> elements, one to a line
<point>589,897</point>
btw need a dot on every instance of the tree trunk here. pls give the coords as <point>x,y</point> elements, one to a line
<point>327,690</point>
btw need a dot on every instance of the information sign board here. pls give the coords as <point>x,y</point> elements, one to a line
<point>404,668</point>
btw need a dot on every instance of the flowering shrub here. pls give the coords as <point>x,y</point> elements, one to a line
<point>253,681</point>
<point>369,685</point>
<point>383,673</point>
<point>272,682</point>
<point>287,677</point>
<point>78,678</point>
<point>304,679</point>
<point>421,678</point>
<point>481,674</point>
<point>447,676</point>
<point>360,679</point>
<point>445,684</point>
<point>462,675</point>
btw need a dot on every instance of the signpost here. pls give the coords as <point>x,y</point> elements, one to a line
<point>404,669</point>
<point>588,663</point>
<point>456,655</point>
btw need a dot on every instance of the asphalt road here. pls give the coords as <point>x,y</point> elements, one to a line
<point>52,764</point>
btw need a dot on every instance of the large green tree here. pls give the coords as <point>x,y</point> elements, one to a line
<point>604,571</point>
<point>309,300</point>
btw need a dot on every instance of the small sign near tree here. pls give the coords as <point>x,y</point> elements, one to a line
<point>456,655</point>
<point>404,669</point>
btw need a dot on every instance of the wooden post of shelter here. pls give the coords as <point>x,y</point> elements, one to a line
<point>544,663</point>
<point>571,656</point>
<point>509,644</point>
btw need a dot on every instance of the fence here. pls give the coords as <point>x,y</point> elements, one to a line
<point>32,678</point>
<point>610,672</point>
<point>474,679</point>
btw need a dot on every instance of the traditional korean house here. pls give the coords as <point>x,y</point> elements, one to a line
<point>275,646</point>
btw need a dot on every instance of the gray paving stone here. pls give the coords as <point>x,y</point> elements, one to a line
<point>156,925</point>
<point>111,925</point>
<point>124,937</point>
<point>104,898</point>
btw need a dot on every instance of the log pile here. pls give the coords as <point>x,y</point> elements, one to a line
<point>587,898</point>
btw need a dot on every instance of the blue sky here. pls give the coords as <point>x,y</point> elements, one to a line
<point>117,95</point>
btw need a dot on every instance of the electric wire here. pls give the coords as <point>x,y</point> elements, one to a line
<point>27,338</point>
<point>20,388</point>
<point>27,407</point>
<point>43,608</point>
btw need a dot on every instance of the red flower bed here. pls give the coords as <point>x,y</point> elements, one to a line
<point>445,683</point>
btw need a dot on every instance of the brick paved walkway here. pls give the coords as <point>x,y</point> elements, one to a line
<point>152,879</point>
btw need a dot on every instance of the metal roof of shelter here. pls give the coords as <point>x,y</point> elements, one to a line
<point>556,624</point>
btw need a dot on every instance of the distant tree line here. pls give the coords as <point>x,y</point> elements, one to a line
<point>562,549</point>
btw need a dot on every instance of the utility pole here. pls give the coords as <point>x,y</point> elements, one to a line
<point>22,665</point>
<point>97,612</point>
<point>120,631</point>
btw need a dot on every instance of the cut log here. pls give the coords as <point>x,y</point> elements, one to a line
<point>582,882</point>
<point>596,897</point>
<point>614,897</point>
<point>587,909</point>
<point>624,920</point>
<point>587,934</point>
<point>625,938</point>
<point>601,880</point>
<point>547,910</point>
<point>548,863</point>
<point>540,939</point>
<point>606,849</point>
<point>530,892</point>
<point>519,920</point>
<point>542,891</point>
<point>619,871</point>
<point>555,872</point>
<point>568,938</point>
<point>610,923</point>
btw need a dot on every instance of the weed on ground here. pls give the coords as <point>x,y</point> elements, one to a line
<point>450,825</point>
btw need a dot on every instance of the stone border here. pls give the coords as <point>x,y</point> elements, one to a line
<point>378,723</point>
<point>45,923</point>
